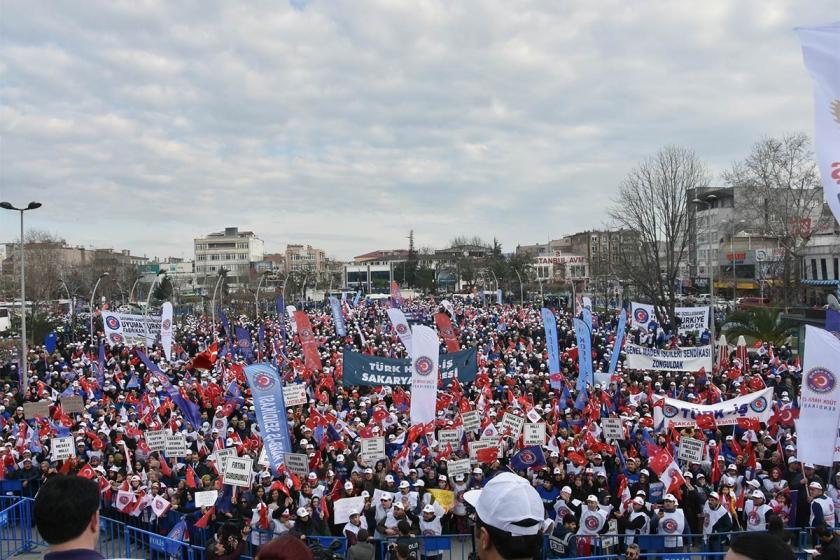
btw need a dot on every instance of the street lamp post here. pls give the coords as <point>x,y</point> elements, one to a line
<point>155,280</point>
<point>521,291</point>
<point>263,276</point>
<point>24,365</point>
<point>131,293</point>
<point>708,201</point>
<point>222,273</point>
<point>92,296</point>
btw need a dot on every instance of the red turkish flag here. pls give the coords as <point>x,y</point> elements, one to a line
<point>706,421</point>
<point>447,332</point>
<point>749,423</point>
<point>659,461</point>
<point>307,340</point>
<point>487,455</point>
<point>86,472</point>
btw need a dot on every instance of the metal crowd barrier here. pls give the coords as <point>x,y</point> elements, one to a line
<point>444,547</point>
<point>15,527</point>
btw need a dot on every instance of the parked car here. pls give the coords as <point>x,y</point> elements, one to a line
<point>747,302</point>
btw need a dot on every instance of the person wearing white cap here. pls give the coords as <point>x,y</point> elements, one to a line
<point>716,520</point>
<point>635,521</point>
<point>509,518</point>
<point>564,505</point>
<point>405,491</point>
<point>384,509</point>
<point>671,523</point>
<point>430,527</point>
<point>356,522</point>
<point>756,511</point>
<point>592,518</point>
<point>822,508</point>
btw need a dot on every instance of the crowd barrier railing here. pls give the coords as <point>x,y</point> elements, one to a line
<point>15,527</point>
<point>444,547</point>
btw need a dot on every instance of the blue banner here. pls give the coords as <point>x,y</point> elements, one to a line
<point>225,323</point>
<point>832,322</point>
<point>338,317</point>
<point>270,408</point>
<point>550,326</point>
<point>587,317</point>
<point>584,344</point>
<point>619,338</point>
<point>361,369</point>
<point>243,342</point>
<point>357,297</point>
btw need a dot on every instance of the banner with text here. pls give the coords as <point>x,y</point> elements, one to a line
<point>128,329</point>
<point>692,319</point>
<point>679,414</point>
<point>270,409</point>
<point>361,369</point>
<point>679,359</point>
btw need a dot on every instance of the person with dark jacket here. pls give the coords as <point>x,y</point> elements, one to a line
<point>829,544</point>
<point>363,549</point>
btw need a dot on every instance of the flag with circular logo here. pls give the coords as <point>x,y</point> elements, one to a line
<point>425,348</point>
<point>818,407</point>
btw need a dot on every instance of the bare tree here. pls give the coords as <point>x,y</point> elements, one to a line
<point>785,199</point>
<point>651,204</point>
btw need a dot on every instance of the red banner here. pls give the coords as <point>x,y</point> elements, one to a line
<point>312,359</point>
<point>395,293</point>
<point>444,326</point>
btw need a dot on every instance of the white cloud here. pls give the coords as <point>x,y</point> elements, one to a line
<point>344,124</point>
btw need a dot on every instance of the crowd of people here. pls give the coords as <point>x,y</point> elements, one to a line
<point>591,488</point>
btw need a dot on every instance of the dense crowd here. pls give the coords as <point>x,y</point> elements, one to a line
<point>748,480</point>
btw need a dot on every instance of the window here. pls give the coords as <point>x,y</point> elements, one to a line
<point>214,257</point>
<point>824,269</point>
<point>813,269</point>
<point>836,268</point>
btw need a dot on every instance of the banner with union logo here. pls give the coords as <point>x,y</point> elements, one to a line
<point>680,414</point>
<point>819,409</point>
<point>424,374</point>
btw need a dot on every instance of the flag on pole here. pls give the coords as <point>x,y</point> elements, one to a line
<point>398,320</point>
<point>166,329</point>
<point>550,328</point>
<point>424,374</point>
<point>818,406</point>
<point>821,52</point>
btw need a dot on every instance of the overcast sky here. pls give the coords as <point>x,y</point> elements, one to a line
<point>344,124</point>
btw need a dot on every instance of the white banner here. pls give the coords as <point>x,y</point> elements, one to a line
<point>166,329</point>
<point>449,436</point>
<point>206,499</point>
<point>294,394</point>
<point>62,448</point>
<point>425,349</point>
<point>131,330</point>
<point>821,51</point>
<point>692,319</point>
<point>372,449</point>
<point>156,440</point>
<point>460,466</point>
<point>476,446</point>
<point>690,449</point>
<point>344,506</point>
<point>818,406</point>
<point>680,359</point>
<point>238,471</point>
<point>175,445</point>
<point>400,324</point>
<point>612,428</point>
<point>512,425</point>
<point>680,414</point>
<point>290,313</point>
<point>220,458</point>
<point>534,434</point>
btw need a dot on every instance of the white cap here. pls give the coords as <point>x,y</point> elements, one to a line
<point>405,484</point>
<point>714,495</point>
<point>566,489</point>
<point>302,512</point>
<point>757,494</point>
<point>639,500</point>
<point>669,498</point>
<point>592,498</point>
<point>506,502</point>
<point>754,483</point>
<point>816,485</point>
<point>429,508</point>
<point>644,472</point>
<point>348,485</point>
<point>352,512</point>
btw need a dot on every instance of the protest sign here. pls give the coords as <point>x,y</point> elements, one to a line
<point>295,394</point>
<point>33,410</point>
<point>512,425</point>
<point>238,471</point>
<point>612,428</point>
<point>691,319</point>
<point>446,498</point>
<point>476,446</point>
<point>534,434</point>
<point>449,436</point>
<point>175,445</point>
<point>62,448</point>
<point>460,466</point>
<point>221,455</point>
<point>678,359</point>
<point>298,463</point>
<point>471,421</point>
<point>680,414</point>
<point>373,449</point>
<point>344,506</point>
<point>220,424</point>
<point>361,369</point>
<point>73,404</point>
<point>130,330</point>
<point>206,499</point>
<point>156,440</point>
<point>690,449</point>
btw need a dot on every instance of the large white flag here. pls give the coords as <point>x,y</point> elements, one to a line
<point>400,323</point>
<point>166,329</point>
<point>821,51</point>
<point>819,411</point>
<point>425,348</point>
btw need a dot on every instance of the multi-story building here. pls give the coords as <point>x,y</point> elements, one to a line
<point>373,271</point>
<point>277,261</point>
<point>232,250</point>
<point>305,258</point>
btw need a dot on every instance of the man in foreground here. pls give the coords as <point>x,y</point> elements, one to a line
<point>66,513</point>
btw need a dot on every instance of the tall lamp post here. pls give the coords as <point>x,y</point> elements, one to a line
<point>92,296</point>
<point>24,364</point>
<point>521,290</point>
<point>155,280</point>
<point>265,274</point>
<point>707,202</point>
<point>222,273</point>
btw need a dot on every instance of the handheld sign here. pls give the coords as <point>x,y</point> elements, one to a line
<point>344,506</point>
<point>33,410</point>
<point>471,420</point>
<point>298,463</point>
<point>461,466</point>
<point>156,440</point>
<point>612,428</point>
<point>295,394</point>
<point>373,449</point>
<point>62,448</point>
<point>176,445</point>
<point>534,434</point>
<point>449,437</point>
<point>690,449</point>
<point>512,425</point>
<point>238,471</point>
<point>221,458</point>
<point>73,404</point>
<point>206,499</point>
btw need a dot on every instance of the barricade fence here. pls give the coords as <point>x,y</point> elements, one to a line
<point>126,537</point>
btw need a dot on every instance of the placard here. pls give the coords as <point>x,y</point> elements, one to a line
<point>484,444</point>
<point>156,440</point>
<point>690,449</point>
<point>220,424</point>
<point>73,404</point>
<point>221,456</point>
<point>238,471</point>
<point>373,449</point>
<point>449,437</point>
<point>344,506</point>
<point>612,428</point>
<point>298,463</point>
<point>62,448</point>
<point>512,425</point>
<point>534,434</point>
<point>263,459</point>
<point>176,445</point>
<point>295,394</point>
<point>206,499</point>
<point>471,421</point>
<point>32,410</point>
<point>461,466</point>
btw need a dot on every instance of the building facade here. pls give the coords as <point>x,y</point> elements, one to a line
<point>305,258</point>
<point>232,250</point>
